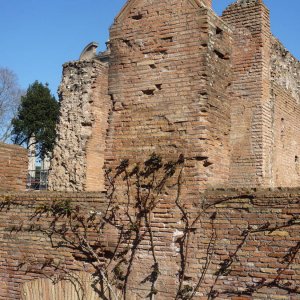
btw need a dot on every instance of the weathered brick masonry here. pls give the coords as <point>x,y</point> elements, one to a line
<point>13,167</point>
<point>178,79</point>
<point>250,113</point>
<point>285,82</point>
<point>245,245</point>
<point>23,255</point>
<point>168,79</point>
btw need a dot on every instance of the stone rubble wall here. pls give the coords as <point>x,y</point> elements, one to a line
<point>13,167</point>
<point>78,154</point>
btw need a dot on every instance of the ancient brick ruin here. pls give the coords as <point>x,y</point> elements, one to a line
<point>179,81</point>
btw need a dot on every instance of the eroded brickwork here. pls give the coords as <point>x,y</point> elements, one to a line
<point>285,69</point>
<point>177,79</point>
<point>79,151</point>
<point>22,256</point>
<point>166,80</point>
<point>13,167</point>
<point>285,82</point>
<point>246,245</point>
<point>182,80</point>
<point>250,23</point>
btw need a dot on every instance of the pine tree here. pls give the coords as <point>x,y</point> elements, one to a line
<point>37,117</point>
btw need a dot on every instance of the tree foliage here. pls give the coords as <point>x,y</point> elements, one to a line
<point>10,94</point>
<point>37,117</point>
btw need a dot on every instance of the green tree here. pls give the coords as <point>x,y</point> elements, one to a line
<point>37,117</point>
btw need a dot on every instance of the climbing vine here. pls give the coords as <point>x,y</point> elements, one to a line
<point>134,193</point>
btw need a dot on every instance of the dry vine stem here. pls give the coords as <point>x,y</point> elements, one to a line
<point>72,228</point>
<point>134,192</point>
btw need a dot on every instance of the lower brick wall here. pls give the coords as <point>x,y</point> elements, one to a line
<point>24,250</point>
<point>256,251</point>
<point>243,245</point>
<point>13,167</point>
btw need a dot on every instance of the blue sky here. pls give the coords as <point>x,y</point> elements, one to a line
<point>38,36</point>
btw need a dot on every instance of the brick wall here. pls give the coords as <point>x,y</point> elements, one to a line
<point>244,246</point>
<point>216,108</point>
<point>22,255</point>
<point>208,3</point>
<point>250,109</point>
<point>167,90</point>
<point>285,80</point>
<point>13,167</point>
<point>256,259</point>
<point>95,147</point>
<point>181,80</point>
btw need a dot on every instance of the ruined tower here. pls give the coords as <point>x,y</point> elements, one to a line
<point>78,156</point>
<point>168,74</point>
<point>178,79</point>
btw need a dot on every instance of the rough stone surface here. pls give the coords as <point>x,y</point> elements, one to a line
<point>78,154</point>
<point>13,167</point>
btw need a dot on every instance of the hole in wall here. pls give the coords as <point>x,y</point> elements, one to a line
<point>148,92</point>
<point>200,158</point>
<point>139,16</point>
<point>296,158</point>
<point>207,163</point>
<point>168,39</point>
<point>127,43</point>
<point>152,66</point>
<point>158,86</point>
<point>220,54</point>
<point>219,31</point>
<point>163,52</point>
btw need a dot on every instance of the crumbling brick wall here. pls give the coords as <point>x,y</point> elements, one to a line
<point>169,69</point>
<point>78,155</point>
<point>244,246</point>
<point>250,113</point>
<point>264,101</point>
<point>25,256</point>
<point>13,167</point>
<point>285,82</point>
<point>181,80</point>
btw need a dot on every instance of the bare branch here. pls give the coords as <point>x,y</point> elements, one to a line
<point>10,95</point>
